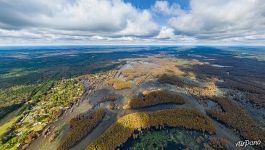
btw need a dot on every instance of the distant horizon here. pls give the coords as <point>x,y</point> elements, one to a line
<point>135,44</point>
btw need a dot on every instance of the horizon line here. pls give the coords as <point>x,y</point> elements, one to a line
<point>133,44</point>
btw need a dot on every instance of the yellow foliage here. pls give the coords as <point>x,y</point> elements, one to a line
<point>209,91</point>
<point>151,67</point>
<point>119,84</point>
<point>80,127</point>
<point>124,128</point>
<point>149,98</point>
<point>236,117</point>
<point>218,143</point>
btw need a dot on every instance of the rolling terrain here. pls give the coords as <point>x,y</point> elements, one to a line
<point>131,97</point>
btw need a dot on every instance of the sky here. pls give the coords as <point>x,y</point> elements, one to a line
<point>52,22</point>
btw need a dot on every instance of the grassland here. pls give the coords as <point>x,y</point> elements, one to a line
<point>124,128</point>
<point>7,126</point>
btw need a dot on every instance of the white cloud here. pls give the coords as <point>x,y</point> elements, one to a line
<point>92,21</point>
<point>165,8</point>
<point>166,33</point>
<point>215,17</point>
<point>141,25</point>
<point>103,16</point>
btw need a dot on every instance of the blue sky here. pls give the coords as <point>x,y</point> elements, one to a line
<point>147,4</point>
<point>221,22</point>
<point>158,18</point>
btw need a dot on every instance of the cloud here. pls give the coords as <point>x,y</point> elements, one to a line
<point>166,9</point>
<point>117,21</point>
<point>141,25</point>
<point>221,20</point>
<point>101,16</point>
<point>166,33</point>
